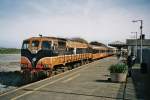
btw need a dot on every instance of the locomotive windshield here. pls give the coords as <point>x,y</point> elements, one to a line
<point>35,43</point>
<point>46,45</point>
<point>25,45</point>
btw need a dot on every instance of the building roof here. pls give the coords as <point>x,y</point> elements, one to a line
<point>117,44</point>
<point>133,42</point>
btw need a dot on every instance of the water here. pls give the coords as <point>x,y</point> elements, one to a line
<point>10,57</point>
<point>9,79</point>
<point>9,62</point>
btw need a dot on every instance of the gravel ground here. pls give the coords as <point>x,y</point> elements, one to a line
<point>10,77</point>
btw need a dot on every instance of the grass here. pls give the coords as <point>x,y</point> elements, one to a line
<point>9,51</point>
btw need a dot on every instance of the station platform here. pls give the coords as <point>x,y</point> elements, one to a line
<point>87,82</point>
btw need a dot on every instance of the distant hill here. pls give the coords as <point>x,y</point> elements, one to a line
<point>9,51</point>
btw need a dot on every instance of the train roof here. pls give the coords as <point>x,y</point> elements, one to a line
<point>98,47</point>
<point>45,38</point>
<point>75,44</point>
<point>70,43</point>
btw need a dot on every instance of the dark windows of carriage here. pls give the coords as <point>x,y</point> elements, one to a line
<point>82,50</point>
<point>98,51</point>
<point>77,50</point>
<point>35,43</point>
<point>25,45</point>
<point>61,47</point>
<point>95,51</point>
<point>69,51</point>
<point>103,51</point>
<point>61,44</point>
<point>46,45</point>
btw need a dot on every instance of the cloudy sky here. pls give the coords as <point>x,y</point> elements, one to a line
<point>101,20</point>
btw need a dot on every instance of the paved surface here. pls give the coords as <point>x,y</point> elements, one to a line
<point>88,82</point>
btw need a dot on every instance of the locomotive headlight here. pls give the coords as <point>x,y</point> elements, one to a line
<point>34,59</point>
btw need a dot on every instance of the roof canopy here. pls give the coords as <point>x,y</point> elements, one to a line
<point>117,44</point>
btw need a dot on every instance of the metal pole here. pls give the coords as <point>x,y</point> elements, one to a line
<point>136,44</point>
<point>141,42</point>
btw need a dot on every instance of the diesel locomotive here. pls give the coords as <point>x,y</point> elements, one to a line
<point>46,56</point>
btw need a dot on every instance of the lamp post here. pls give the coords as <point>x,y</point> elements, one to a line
<point>136,42</point>
<point>141,26</point>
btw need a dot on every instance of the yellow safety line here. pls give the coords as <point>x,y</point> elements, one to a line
<point>71,78</point>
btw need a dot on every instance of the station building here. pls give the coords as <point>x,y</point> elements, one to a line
<point>134,47</point>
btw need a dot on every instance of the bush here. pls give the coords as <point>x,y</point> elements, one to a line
<point>118,68</point>
<point>9,51</point>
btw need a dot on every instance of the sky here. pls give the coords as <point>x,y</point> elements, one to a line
<point>105,21</point>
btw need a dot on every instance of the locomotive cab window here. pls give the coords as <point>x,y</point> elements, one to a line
<point>46,45</point>
<point>25,45</point>
<point>35,43</point>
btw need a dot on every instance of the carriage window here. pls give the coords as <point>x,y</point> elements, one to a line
<point>61,44</point>
<point>25,45</point>
<point>35,43</point>
<point>46,45</point>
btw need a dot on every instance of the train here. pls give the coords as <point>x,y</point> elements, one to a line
<point>46,56</point>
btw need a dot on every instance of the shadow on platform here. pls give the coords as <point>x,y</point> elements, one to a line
<point>103,81</point>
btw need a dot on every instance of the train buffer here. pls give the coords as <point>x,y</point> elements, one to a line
<point>87,82</point>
